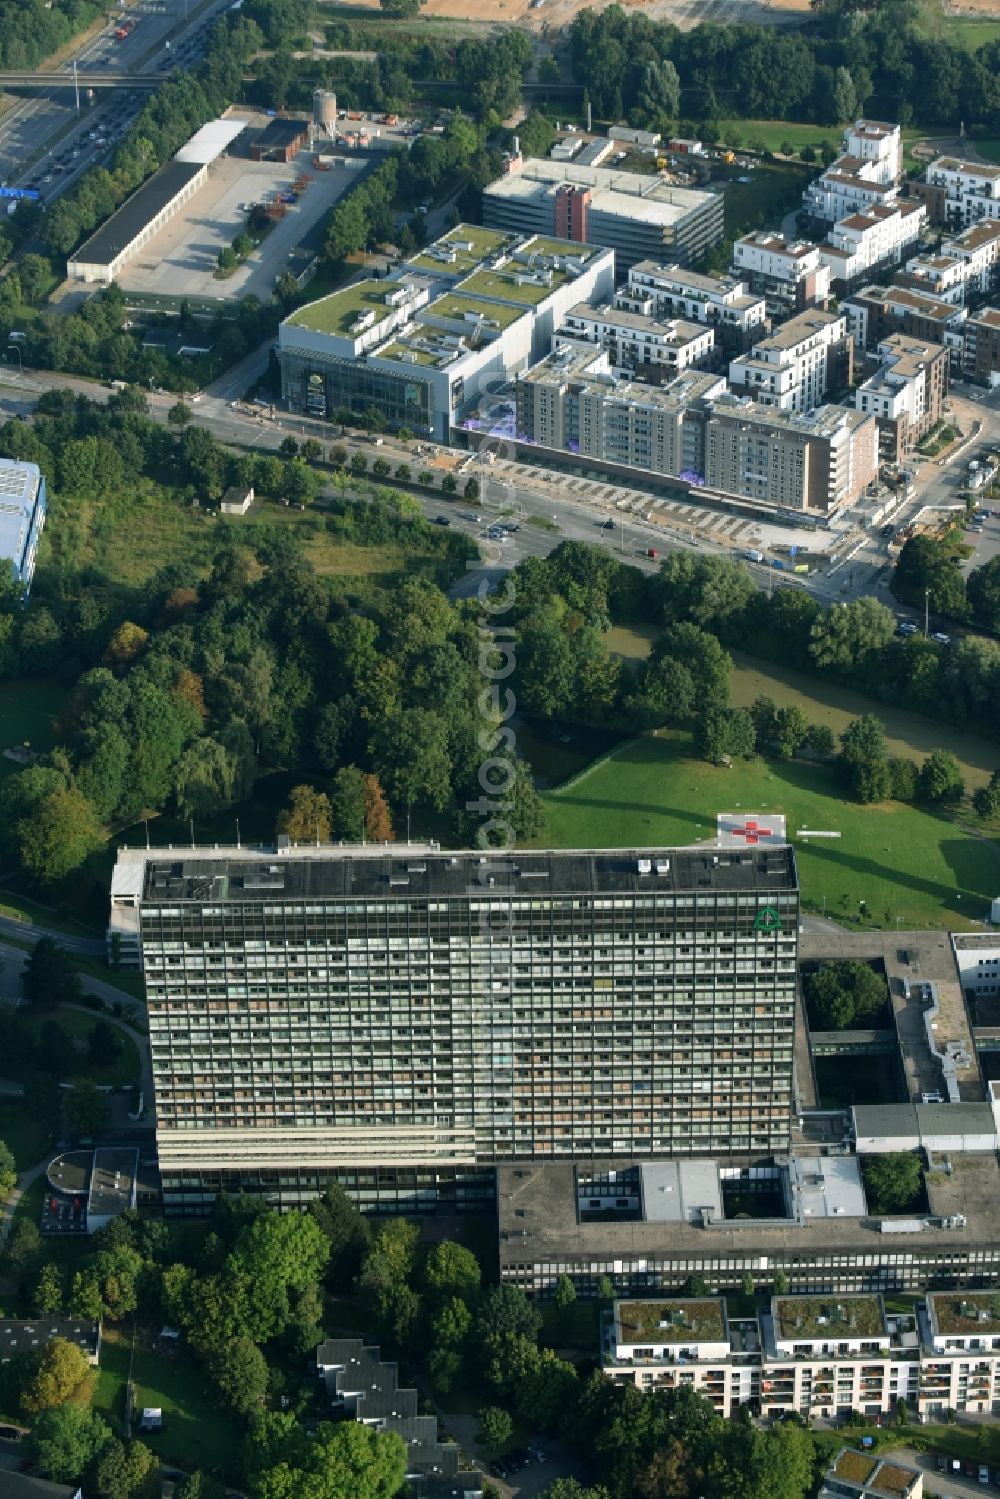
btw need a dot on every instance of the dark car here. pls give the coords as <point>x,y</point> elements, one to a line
<point>10,1433</point>
<point>441,520</point>
<point>608,525</point>
<point>888,530</point>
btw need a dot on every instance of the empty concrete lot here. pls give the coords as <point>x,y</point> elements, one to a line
<point>183,258</point>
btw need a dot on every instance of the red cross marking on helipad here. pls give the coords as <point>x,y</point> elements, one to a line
<point>752,832</point>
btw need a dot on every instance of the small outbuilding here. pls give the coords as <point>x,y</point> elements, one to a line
<point>237,499</point>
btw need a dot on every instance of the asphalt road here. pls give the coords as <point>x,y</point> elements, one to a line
<point>547,500</point>
<point>49,122</point>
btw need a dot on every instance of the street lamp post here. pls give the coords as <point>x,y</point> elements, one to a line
<point>927,610</point>
<point>17,351</point>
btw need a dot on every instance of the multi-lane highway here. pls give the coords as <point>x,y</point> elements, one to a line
<point>46,144</point>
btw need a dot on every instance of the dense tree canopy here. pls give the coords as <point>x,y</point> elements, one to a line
<point>844,994</point>
<point>876,56</point>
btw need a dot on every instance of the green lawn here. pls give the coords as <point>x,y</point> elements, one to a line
<point>556,753</point>
<point>774,133</point>
<point>197,1434</point>
<point>27,714</point>
<point>989,148</point>
<point>28,1138</point>
<point>909,864</point>
<point>970,32</point>
<point>825,702</point>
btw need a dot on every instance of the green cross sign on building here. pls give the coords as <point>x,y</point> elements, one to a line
<point>767,920</point>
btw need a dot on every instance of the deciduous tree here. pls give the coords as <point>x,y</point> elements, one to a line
<point>308,819</point>
<point>65,1440</point>
<point>60,1371</point>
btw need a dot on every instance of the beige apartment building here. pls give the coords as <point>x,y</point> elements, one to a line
<point>818,461</point>
<point>795,368</point>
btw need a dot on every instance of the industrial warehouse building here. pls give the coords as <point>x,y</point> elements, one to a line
<point>640,218</point>
<point>281,140</point>
<point>126,232</point>
<point>23,504</point>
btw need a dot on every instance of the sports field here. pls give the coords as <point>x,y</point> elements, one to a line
<point>913,867</point>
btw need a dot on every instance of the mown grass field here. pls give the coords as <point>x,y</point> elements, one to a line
<point>28,1138</point>
<point>912,866</point>
<point>197,1434</point>
<point>824,702</point>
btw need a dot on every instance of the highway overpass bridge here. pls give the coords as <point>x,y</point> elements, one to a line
<point>90,79</point>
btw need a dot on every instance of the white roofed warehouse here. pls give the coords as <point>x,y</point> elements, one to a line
<point>23,504</point>
<point>123,236</point>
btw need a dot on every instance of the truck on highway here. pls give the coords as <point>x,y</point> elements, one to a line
<point>753,556</point>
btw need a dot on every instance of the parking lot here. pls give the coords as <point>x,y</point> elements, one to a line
<point>183,258</point>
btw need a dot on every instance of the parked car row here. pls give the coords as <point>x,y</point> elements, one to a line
<point>520,1457</point>
<point>970,1468</point>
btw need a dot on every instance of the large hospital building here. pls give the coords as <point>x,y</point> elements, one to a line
<point>403,1019</point>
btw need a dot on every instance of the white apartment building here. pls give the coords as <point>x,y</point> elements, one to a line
<point>882,237</point>
<point>738,316</point>
<point>787,273</point>
<point>879,146</point>
<point>820,1355</point>
<point>963,193</point>
<point>793,369</point>
<point>966,265</point>
<point>635,341</point>
<point>816,1355</point>
<point>961,1368</point>
<point>848,187</point>
<point>978,246</point>
<point>865,176</point>
<point>905,395</point>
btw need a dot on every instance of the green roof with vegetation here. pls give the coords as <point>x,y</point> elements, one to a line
<point>339,312</point>
<point>810,1317</point>
<point>543,244</point>
<point>483,242</point>
<point>504,284</point>
<point>454,306</point>
<point>404,351</point>
<point>961,1313</point>
<point>854,1466</point>
<point>893,1480</point>
<point>687,1320</point>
